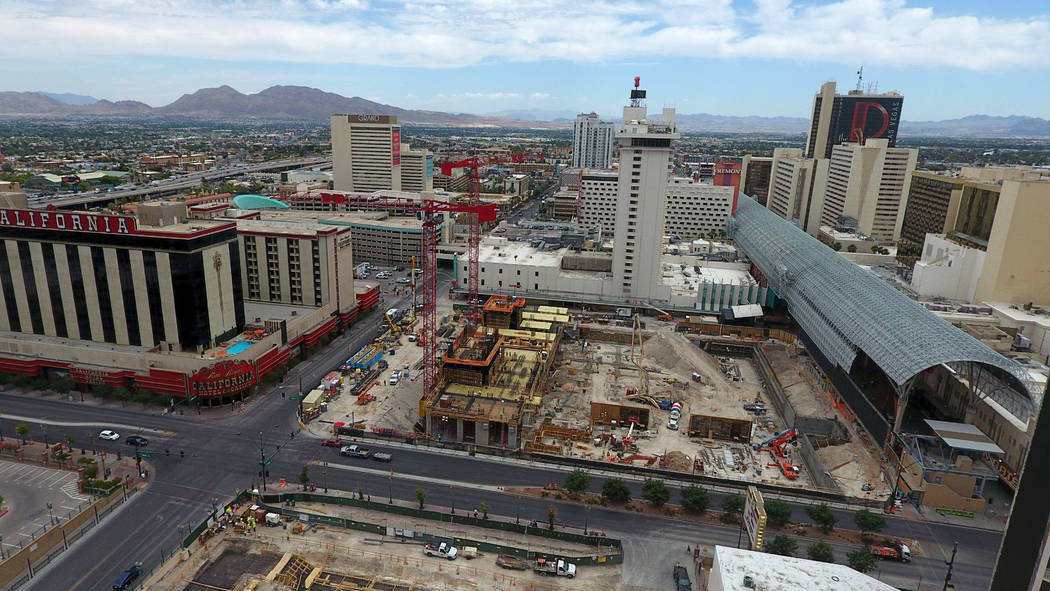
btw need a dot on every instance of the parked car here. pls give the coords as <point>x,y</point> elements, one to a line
<point>681,578</point>
<point>137,440</point>
<point>404,280</point>
<point>442,550</point>
<point>126,578</point>
<point>332,442</point>
<point>109,435</point>
<point>383,275</point>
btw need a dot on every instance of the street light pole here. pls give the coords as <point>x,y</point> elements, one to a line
<point>951,564</point>
<point>50,514</point>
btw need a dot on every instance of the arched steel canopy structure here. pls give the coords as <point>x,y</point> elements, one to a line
<point>845,309</point>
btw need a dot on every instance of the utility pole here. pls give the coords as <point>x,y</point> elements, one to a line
<point>950,563</point>
<point>326,476</point>
<point>262,461</point>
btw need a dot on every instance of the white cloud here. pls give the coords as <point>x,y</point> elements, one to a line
<point>455,33</point>
<point>540,95</point>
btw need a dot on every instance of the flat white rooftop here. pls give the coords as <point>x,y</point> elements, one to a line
<point>493,250</point>
<point>771,572</point>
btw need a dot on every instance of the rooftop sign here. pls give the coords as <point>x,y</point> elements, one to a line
<point>61,220</point>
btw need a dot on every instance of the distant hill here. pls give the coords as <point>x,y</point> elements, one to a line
<point>980,126</point>
<point>537,114</point>
<point>300,103</point>
<point>280,103</point>
<point>70,98</point>
<point>749,124</point>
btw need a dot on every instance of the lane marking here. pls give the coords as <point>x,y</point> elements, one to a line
<point>103,425</point>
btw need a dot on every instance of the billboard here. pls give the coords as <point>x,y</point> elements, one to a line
<point>727,174</point>
<point>863,117</point>
<point>755,518</point>
<point>395,146</point>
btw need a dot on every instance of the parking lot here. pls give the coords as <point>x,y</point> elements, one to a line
<point>27,490</point>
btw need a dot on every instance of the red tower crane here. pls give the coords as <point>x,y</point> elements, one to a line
<point>431,223</point>
<point>472,165</point>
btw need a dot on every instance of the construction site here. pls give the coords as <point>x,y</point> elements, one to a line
<point>325,545</point>
<point>731,405</point>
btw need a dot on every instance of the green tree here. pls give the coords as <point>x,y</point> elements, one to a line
<point>616,490</point>
<point>304,476</point>
<point>822,515</point>
<point>837,246</point>
<point>22,430</point>
<point>695,499</point>
<point>655,491</point>
<point>868,522</point>
<point>732,507</point>
<point>778,512</point>
<point>552,513</point>
<point>577,481</point>
<point>484,510</point>
<point>820,551</point>
<point>782,545</point>
<point>861,560</point>
<point>69,441</point>
<point>851,248</point>
<point>421,496</point>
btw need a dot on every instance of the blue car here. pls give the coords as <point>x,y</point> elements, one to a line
<point>126,578</point>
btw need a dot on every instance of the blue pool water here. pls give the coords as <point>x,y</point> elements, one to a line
<point>240,346</point>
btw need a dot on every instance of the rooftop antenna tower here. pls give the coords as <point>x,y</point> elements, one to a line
<point>637,94</point>
<point>860,78</point>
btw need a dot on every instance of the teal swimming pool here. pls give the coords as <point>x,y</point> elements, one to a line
<point>237,348</point>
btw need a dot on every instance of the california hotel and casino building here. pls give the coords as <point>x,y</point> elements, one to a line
<point>158,302</point>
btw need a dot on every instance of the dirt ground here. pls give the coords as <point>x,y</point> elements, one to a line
<point>855,466</point>
<point>394,407</point>
<point>603,371</point>
<point>392,563</point>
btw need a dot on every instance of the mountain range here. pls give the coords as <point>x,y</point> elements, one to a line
<point>300,103</point>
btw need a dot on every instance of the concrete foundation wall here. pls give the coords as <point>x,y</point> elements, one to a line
<point>817,472</point>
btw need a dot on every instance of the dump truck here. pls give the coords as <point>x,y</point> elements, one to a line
<point>555,568</point>
<point>899,552</point>
<point>442,550</point>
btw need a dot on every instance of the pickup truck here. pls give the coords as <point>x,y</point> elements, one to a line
<point>558,568</point>
<point>441,550</point>
<point>354,451</point>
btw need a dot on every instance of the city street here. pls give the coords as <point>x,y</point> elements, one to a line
<point>201,462</point>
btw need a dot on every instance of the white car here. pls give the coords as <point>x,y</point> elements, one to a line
<point>109,435</point>
<point>383,275</point>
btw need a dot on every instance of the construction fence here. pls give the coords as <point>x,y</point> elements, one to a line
<point>610,550</point>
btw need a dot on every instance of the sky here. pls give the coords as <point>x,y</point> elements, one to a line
<point>949,58</point>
